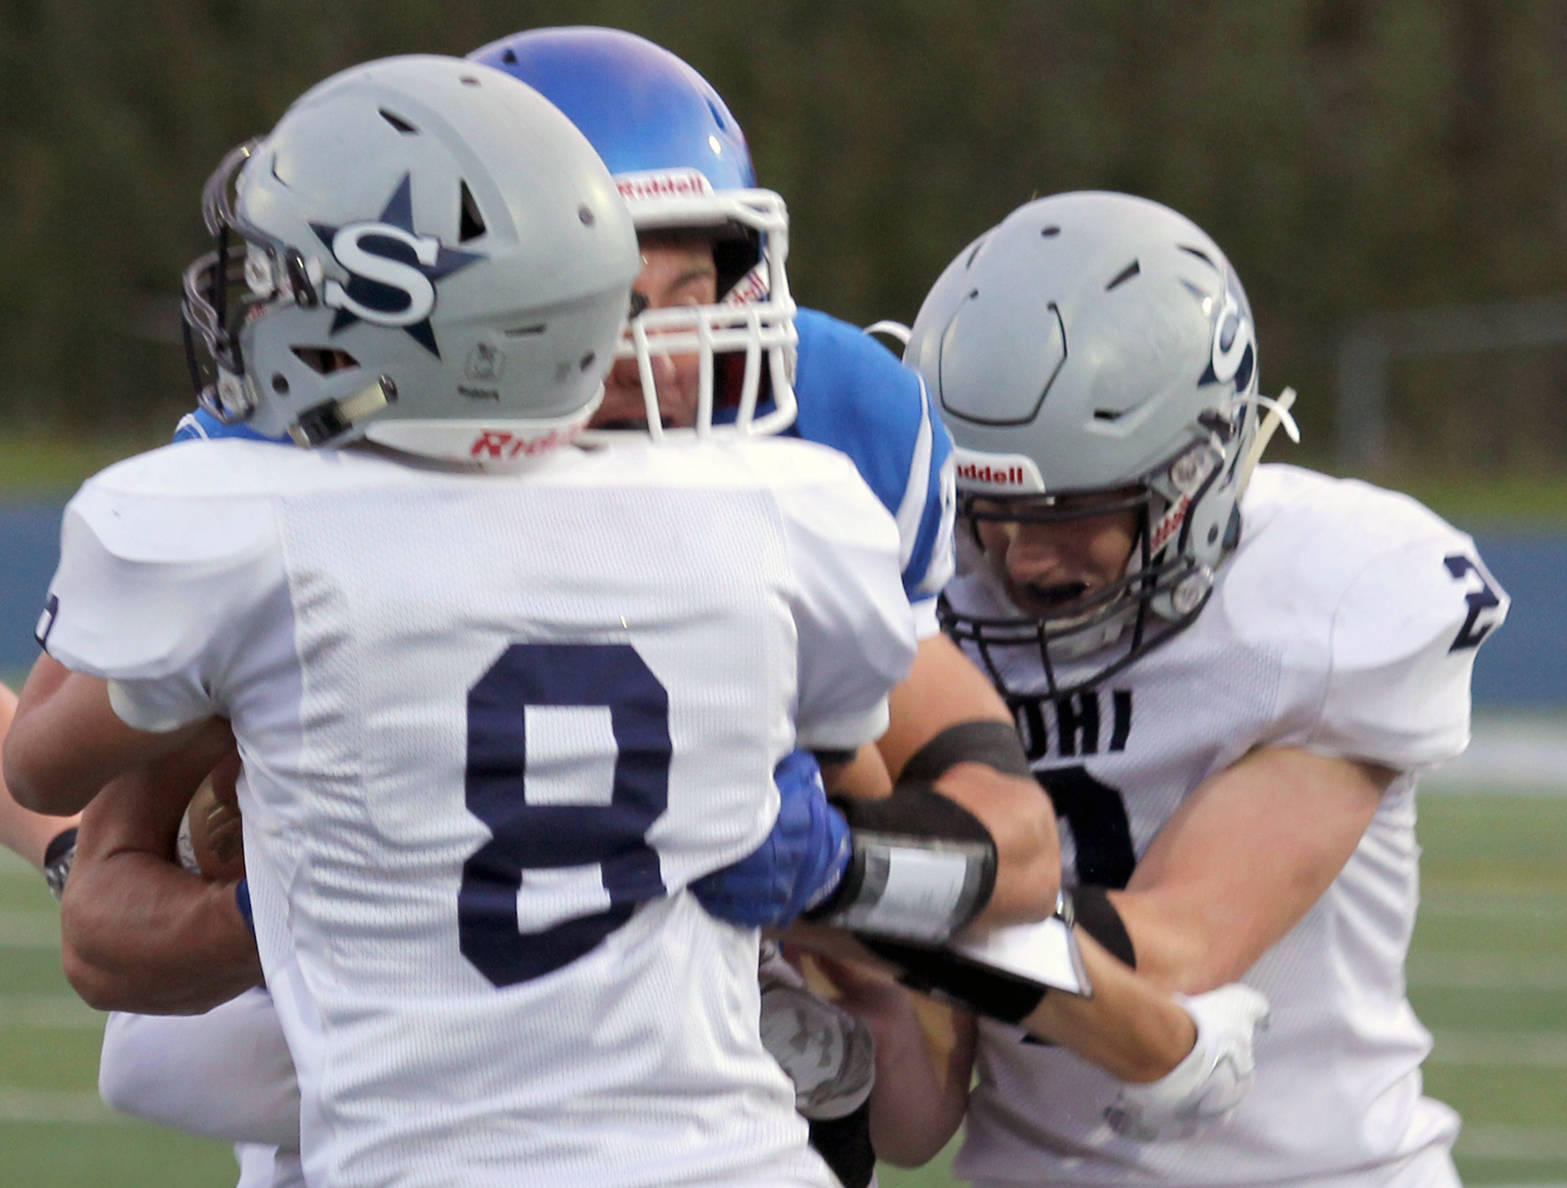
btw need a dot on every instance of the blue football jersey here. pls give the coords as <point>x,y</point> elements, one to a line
<point>855,396</point>
<point>200,425</point>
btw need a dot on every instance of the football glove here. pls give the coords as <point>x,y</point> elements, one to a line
<point>797,866</point>
<point>1210,1082</point>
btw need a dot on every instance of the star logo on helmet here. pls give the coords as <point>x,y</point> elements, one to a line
<point>392,270</point>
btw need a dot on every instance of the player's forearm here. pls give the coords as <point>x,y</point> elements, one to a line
<point>1128,1028</point>
<point>140,934</point>
<point>1022,822</point>
<point>26,834</point>
<point>919,1098</point>
<point>939,706</point>
<point>1242,861</point>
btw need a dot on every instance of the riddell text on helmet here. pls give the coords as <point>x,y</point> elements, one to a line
<point>974,472</point>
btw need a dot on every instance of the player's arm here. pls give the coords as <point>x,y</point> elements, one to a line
<point>946,716</point>
<point>66,741</point>
<point>43,841</point>
<point>924,1062</point>
<point>1242,860</point>
<point>139,933</point>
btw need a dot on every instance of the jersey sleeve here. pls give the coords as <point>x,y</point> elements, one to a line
<point>152,594</point>
<point>855,630</point>
<point>1403,642</point>
<point>856,397</point>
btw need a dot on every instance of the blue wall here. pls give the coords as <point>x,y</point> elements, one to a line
<point>1524,665</point>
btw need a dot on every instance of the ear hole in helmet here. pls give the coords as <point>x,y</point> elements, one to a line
<point>470,223</point>
<point>397,121</point>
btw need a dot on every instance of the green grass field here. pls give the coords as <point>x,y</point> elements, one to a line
<point>1489,977</point>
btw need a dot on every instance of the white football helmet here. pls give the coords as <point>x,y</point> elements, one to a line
<point>1095,344</point>
<point>424,253</point>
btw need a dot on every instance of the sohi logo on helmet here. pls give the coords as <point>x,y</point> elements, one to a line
<point>395,293</point>
<point>392,270</point>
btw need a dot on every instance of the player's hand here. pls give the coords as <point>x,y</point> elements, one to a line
<point>828,1053</point>
<point>211,841</point>
<point>1206,1086</point>
<point>796,867</point>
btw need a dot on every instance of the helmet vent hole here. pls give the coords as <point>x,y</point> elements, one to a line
<point>323,360</point>
<point>1200,254</point>
<point>586,361</point>
<point>1107,414</point>
<point>509,57</point>
<point>280,383</point>
<point>1049,232</point>
<point>1124,275</point>
<point>470,80</point>
<point>526,331</point>
<point>399,123</point>
<point>471,222</point>
<point>585,216</point>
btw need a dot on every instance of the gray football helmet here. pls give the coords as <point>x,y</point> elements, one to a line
<point>1095,344</point>
<point>423,253</point>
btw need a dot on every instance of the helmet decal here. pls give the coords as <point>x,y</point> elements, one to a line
<point>391,269</point>
<point>1234,342</point>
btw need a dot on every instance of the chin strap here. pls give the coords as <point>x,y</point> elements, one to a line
<point>891,329</point>
<point>1278,414</point>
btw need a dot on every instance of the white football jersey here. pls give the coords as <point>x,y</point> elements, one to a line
<point>492,727</point>
<point>1345,622</point>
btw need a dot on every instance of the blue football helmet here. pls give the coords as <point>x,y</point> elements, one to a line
<point>681,163</point>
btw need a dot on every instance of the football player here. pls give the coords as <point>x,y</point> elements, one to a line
<point>683,168</point>
<point>1228,678</point>
<point>499,703</point>
<point>705,230</point>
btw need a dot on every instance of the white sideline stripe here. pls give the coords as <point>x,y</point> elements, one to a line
<point>29,930</point>
<point>1500,1141</point>
<point>48,1011</point>
<point>1519,754</point>
<point>1507,1049</point>
<point>55,1105</point>
<point>1486,971</point>
<point>1495,904</point>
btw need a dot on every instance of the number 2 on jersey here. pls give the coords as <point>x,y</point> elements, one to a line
<point>534,837</point>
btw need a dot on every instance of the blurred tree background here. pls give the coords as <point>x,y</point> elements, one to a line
<point>1353,157</point>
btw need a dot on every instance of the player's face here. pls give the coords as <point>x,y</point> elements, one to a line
<point>676,270</point>
<point>1050,568</point>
